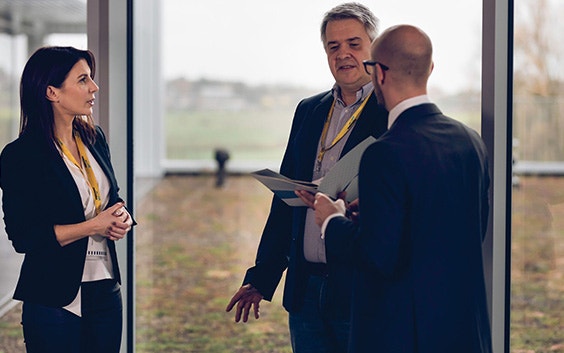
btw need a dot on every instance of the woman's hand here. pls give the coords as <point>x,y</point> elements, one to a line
<point>113,223</point>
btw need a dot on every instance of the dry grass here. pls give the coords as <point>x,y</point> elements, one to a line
<point>195,241</point>
<point>193,246</point>
<point>537,275</point>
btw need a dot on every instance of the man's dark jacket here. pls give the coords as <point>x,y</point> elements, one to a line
<point>281,245</point>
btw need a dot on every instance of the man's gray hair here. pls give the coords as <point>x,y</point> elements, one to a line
<point>355,11</point>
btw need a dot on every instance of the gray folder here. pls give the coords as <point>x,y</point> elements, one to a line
<point>342,177</point>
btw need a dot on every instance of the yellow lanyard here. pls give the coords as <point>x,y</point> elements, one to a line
<point>348,125</point>
<point>87,168</point>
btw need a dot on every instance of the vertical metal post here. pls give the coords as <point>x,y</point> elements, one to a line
<point>497,98</point>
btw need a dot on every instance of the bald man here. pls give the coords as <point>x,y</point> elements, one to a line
<point>423,205</point>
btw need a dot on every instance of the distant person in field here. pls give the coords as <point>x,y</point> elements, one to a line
<point>423,212</point>
<point>326,126</point>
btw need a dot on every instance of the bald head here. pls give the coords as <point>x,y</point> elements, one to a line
<point>408,52</point>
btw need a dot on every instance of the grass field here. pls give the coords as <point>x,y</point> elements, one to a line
<point>191,259</point>
<point>537,272</point>
<point>248,135</point>
<point>236,214</point>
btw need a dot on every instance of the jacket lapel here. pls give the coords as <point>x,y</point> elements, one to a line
<point>310,135</point>
<point>364,126</point>
<point>104,164</point>
<point>61,172</point>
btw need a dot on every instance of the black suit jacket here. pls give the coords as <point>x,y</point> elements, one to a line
<point>281,245</point>
<point>419,285</point>
<point>39,192</point>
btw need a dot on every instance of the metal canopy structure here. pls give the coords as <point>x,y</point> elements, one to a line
<point>38,18</point>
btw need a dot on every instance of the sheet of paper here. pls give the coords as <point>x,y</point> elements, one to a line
<point>344,174</point>
<point>342,177</point>
<point>284,187</point>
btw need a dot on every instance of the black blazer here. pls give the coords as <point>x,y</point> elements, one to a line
<point>419,285</point>
<point>281,244</point>
<point>38,193</point>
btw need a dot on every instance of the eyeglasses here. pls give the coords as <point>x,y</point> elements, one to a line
<point>369,66</point>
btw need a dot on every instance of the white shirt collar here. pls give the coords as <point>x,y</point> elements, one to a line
<point>404,105</point>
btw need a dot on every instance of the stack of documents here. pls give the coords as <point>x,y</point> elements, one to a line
<point>342,177</point>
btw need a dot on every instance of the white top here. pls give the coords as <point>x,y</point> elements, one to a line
<point>98,262</point>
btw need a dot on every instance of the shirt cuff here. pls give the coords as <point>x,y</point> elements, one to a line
<point>326,222</point>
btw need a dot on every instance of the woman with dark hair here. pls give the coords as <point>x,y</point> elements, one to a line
<point>62,209</point>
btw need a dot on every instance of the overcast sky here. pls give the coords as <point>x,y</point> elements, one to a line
<point>257,41</point>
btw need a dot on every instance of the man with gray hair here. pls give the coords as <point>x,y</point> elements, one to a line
<point>325,127</point>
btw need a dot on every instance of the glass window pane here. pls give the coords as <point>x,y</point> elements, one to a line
<point>236,85</point>
<point>233,78</point>
<point>537,266</point>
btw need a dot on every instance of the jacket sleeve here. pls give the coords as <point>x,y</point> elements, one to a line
<point>339,241</point>
<point>380,241</point>
<point>24,204</point>
<point>274,248</point>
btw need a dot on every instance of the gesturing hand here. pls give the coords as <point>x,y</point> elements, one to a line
<point>245,297</point>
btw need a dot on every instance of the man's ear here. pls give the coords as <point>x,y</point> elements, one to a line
<point>380,74</point>
<point>52,94</point>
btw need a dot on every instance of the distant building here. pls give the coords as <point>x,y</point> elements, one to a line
<point>201,95</point>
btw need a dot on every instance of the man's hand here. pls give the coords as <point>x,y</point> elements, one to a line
<point>353,210</point>
<point>245,297</point>
<point>324,207</point>
<point>307,197</point>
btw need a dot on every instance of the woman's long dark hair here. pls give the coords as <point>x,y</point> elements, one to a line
<point>50,66</point>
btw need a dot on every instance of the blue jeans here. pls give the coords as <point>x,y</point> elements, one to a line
<point>311,331</point>
<point>49,330</point>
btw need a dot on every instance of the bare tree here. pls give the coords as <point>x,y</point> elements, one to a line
<point>538,80</point>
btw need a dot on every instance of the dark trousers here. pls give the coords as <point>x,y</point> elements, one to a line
<point>311,330</point>
<point>99,330</point>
